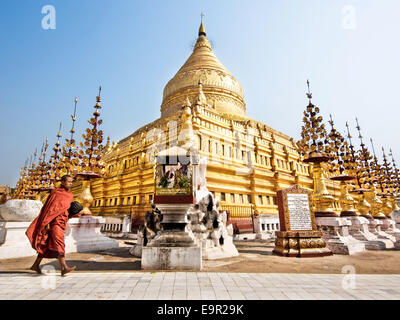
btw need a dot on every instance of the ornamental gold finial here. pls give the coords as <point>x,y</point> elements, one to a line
<point>59,130</point>
<point>359,132</point>
<point>373,148</point>
<point>348,132</point>
<point>364,157</point>
<point>68,152</point>
<point>202,30</point>
<point>97,106</point>
<point>309,94</point>
<point>90,154</point>
<point>314,138</point>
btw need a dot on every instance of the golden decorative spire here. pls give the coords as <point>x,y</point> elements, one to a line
<point>314,138</point>
<point>202,30</point>
<point>396,174</point>
<point>55,161</point>
<point>364,159</point>
<point>201,98</point>
<point>388,182</point>
<point>309,94</point>
<point>217,81</point>
<point>69,150</point>
<point>188,104</point>
<point>338,145</point>
<point>91,150</point>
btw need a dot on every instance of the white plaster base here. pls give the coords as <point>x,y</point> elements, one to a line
<point>265,235</point>
<point>136,250</point>
<point>171,258</point>
<point>15,242</point>
<point>396,218</point>
<point>361,231</point>
<point>374,226</point>
<point>265,226</point>
<point>382,235</point>
<point>390,231</point>
<point>335,232</point>
<point>20,210</point>
<point>83,235</point>
<point>211,252</point>
<point>2,233</point>
<point>244,236</point>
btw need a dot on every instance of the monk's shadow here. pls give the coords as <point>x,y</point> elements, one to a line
<point>238,246</point>
<point>83,265</point>
<point>28,271</point>
<point>264,253</point>
<point>121,252</point>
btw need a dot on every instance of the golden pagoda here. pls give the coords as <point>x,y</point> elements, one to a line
<point>247,161</point>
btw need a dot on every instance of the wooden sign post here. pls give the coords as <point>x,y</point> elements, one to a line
<point>299,236</point>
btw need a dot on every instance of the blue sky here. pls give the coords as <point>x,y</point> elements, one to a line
<point>132,49</point>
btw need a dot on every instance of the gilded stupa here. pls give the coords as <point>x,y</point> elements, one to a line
<point>247,161</point>
<point>220,88</point>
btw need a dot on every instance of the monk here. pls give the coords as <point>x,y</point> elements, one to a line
<point>46,232</point>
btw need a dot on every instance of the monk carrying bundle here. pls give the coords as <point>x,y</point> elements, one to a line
<point>46,232</point>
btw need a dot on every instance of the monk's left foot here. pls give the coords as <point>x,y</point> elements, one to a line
<point>66,270</point>
<point>36,269</point>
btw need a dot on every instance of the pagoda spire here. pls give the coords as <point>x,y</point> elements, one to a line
<point>202,30</point>
<point>388,173</point>
<point>395,170</point>
<point>338,145</point>
<point>309,94</point>
<point>69,151</point>
<point>364,158</point>
<point>377,169</point>
<point>352,164</point>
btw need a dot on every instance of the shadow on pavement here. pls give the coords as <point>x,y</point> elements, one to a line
<point>82,265</point>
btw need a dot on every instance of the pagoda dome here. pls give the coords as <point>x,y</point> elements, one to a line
<point>220,88</point>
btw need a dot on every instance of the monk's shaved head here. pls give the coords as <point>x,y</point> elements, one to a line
<point>64,178</point>
<point>66,182</point>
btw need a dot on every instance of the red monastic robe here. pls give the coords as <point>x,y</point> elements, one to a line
<point>46,232</point>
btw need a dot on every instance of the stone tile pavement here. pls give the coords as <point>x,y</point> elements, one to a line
<point>198,286</point>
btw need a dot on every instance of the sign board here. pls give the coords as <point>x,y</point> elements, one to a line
<point>294,209</point>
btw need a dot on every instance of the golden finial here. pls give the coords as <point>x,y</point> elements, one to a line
<point>359,131</point>
<point>348,132</point>
<point>391,155</point>
<point>73,118</point>
<point>98,97</point>
<point>331,120</point>
<point>202,30</point>
<point>373,148</point>
<point>59,130</point>
<point>97,106</point>
<point>309,94</point>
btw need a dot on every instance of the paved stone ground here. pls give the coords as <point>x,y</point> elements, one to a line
<point>198,286</point>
